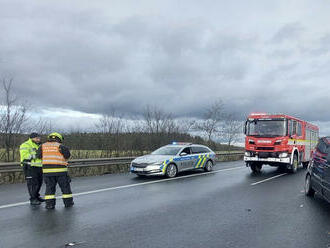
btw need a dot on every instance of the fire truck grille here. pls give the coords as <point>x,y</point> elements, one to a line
<point>268,155</point>
<point>265,148</point>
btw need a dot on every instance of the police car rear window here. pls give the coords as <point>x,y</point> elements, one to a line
<point>199,149</point>
<point>167,150</point>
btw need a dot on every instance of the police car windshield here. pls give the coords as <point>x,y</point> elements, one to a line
<point>167,150</point>
<point>266,128</point>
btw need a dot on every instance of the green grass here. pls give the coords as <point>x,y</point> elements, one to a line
<point>83,154</point>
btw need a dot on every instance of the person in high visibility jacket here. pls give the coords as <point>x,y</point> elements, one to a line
<point>55,157</point>
<point>32,167</point>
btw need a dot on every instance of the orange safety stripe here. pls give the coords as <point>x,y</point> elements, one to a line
<point>51,154</point>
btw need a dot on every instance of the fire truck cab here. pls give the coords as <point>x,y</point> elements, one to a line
<point>278,140</point>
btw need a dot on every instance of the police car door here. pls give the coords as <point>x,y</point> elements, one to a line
<point>199,154</point>
<point>185,159</point>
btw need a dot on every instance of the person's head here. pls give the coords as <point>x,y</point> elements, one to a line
<point>55,137</point>
<point>35,137</point>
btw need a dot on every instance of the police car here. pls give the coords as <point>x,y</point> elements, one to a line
<point>171,159</point>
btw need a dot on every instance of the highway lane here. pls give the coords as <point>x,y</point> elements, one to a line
<point>228,208</point>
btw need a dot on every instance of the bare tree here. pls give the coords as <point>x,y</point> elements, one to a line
<point>185,125</point>
<point>41,126</point>
<point>232,129</point>
<point>111,125</point>
<point>210,124</point>
<point>158,121</point>
<point>12,119</point>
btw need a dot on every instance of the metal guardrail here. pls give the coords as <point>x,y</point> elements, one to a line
<point>15,166</point>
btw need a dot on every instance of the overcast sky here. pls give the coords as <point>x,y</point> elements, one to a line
<point>94,56</point>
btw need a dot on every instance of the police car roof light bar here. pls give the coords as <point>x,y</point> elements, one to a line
<point>181,143</point>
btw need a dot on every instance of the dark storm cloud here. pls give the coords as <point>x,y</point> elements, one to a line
<point>96,57</point>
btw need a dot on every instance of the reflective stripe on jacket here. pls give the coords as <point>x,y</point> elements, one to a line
<point>52,159</point>
<point>28,152</point>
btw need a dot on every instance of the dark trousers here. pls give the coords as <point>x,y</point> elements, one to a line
<point>33,176</point>
<point>64,183</point>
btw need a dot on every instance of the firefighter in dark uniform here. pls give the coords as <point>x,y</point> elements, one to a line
<point>55,157</point>
<point>32,167</point>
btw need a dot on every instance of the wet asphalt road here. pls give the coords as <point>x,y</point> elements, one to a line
<point>228,208</point>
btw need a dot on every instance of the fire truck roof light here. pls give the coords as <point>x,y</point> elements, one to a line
<point>256,113</point>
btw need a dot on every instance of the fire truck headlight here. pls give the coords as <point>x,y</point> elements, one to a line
<point>283,155</point>
<point>247,154</point>
<point>251,142</point>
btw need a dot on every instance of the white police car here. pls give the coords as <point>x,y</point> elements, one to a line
<point>171,159</point>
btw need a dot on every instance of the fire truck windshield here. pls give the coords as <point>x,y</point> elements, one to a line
<point>266,128</point>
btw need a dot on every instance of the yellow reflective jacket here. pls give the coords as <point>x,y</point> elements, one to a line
<point>28,153</point>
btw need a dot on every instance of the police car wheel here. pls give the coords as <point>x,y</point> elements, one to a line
<point>171,170</point>
<point>309,191</point>
<point>209,166</point>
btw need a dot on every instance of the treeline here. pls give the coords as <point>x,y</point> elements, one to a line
<point>116,135</point>
<point>100,145</point>
<point>133,143</point>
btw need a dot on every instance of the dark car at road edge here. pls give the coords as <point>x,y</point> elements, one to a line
<point>317,178</point>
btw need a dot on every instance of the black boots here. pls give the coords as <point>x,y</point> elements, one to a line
<point>35,202</point>
<point>49,206</point>
<point>69,205</point>
<point>50,203</point>
<point>68,202</point>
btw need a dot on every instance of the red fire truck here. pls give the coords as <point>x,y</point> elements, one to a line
<point>278,140</point>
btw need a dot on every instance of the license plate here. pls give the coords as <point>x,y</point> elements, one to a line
<point>138,169</point>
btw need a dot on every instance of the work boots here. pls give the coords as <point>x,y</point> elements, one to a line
<point>68,202</point>
<point>50,204</point>
<point>35,202</point>
<point>69,205</point>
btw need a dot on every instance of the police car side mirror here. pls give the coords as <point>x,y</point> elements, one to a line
<point>183,154</point>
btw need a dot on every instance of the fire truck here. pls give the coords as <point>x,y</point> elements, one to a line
<point>278,140</point>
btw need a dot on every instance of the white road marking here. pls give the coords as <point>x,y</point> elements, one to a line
<point>268,179</point>
<point>14,205</point>
<point>129,186</point>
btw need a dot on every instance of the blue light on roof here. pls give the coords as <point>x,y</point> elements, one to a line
<point>180,143</point>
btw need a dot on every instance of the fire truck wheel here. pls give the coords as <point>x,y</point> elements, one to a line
<point>256,168</point>
<point>282,168</point>
<point>294,165</point>
<point>305,165</point>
